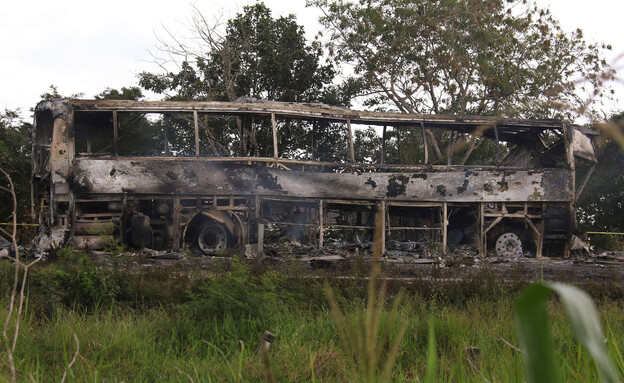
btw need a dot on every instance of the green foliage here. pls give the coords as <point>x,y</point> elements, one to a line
<point>125,93</point>
<point>432,356</point>
<point>371,335</point>
<point>15,152</point>
<point>258,56</point>
<point>446,57</point>
<point>78,283</point>
<point>534,331</point>
<point>152,345</point>
<point>601,206</point>
<point>239,293</point>
<point>53,94</point>
<point>607,242</point>
<point>151,324</point>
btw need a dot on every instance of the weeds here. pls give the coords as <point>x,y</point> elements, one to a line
<point>367,334</point>
<point>17,297</point>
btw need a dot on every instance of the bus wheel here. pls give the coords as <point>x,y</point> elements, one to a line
<point>211,237</point>
<point>508,245</point>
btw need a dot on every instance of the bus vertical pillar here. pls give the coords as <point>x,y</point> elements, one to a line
<point>320,220</point>
<point>425,145</point>
<point>274,131</point>
<point>260,249</point>
<point>444,227</point>
<point>115,135</point>
<point>382,216</point>
<point>351,146</point>
<point>196,126</point>
<point>260,229</point>
<point>123,219</point>
<point>481,228</point>
<point>383,146</point>
<point>567,137</point>
<point>71,213</point>
<point>176,223</point>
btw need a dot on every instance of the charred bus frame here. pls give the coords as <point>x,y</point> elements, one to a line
<point>89,187</point>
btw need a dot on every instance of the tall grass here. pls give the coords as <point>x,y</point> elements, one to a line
<point>372,335</point>
<point>124,345</point>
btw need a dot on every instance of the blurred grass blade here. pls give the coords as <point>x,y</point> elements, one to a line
<point>583,318</point>
<point>432,356</point>
<point>312,367</point>
<point>534,332</point>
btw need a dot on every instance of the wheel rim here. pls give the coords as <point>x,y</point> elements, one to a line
<point>212,238</point>
<point>508,245</point>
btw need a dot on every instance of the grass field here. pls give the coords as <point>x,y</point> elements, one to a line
<point>178,325</point>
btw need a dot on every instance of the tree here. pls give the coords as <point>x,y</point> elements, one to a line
<point>15,153</point>
<point>256,56</point>
<point>601,205</point>
<point>485,57</point>
<point>53,93</point>
<point>253,56</point>
<point>132,93</point>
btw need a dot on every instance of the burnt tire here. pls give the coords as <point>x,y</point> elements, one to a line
<point>210,238</point>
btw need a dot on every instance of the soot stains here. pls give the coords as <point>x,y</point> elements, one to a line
<point>397,186</point>
<point>172,176</point>
<point>372,183</point>
<point>488,188</point>
<point>420,175</point>
<point>441,189</point>
<point>189,174</point>
<point>267,181</point>
<point>464,186</point>
<point>114,172</point>
<point>503,185</point>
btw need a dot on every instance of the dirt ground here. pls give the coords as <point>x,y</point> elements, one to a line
<point>345,263</point>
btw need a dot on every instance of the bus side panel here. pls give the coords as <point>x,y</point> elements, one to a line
<point>198,177</point>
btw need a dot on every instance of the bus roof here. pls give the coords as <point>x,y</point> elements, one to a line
<point>507,127</point>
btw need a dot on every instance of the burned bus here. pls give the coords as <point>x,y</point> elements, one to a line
<point>212,176</point>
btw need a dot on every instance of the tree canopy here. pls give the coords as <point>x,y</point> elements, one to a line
<point>256,56</point>
<point>602,202</point>
<point>15,153</point>
<point>487,57</point>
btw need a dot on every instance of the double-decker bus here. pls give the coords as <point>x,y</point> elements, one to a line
<point>211,176</point>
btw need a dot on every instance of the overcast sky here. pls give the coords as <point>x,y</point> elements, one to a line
<point>86,46</point>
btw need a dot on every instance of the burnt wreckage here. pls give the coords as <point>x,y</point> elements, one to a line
<point>218,175</point>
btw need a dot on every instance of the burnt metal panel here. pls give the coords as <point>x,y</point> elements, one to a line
<point>206,177</point>
<point>581,145</point>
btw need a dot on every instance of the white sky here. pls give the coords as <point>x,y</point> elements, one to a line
<point>86,46</point>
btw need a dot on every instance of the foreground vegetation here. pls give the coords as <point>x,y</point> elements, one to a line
<point>180,325</point>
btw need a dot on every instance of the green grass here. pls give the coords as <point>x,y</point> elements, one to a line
<point>118,345</point>
<point>169,326</point>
